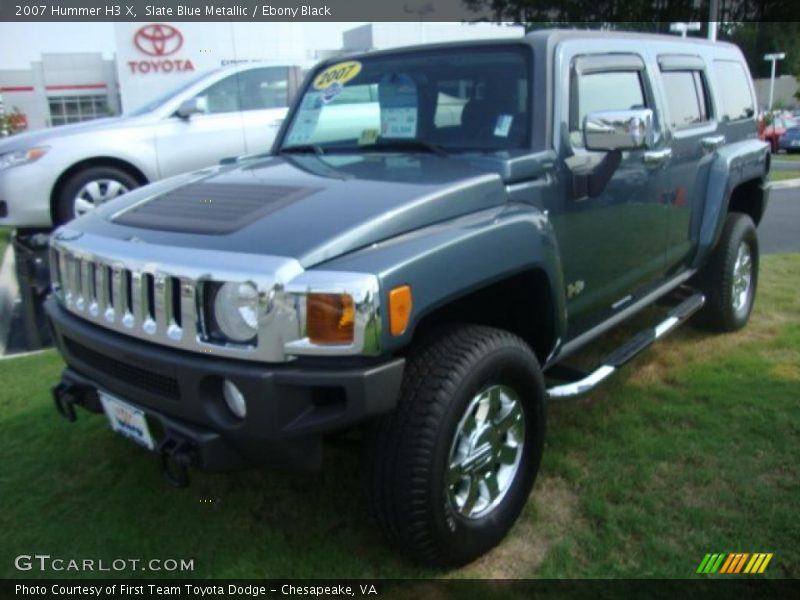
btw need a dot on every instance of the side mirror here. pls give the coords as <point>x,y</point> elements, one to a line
<point>192,106</point>
<point>609,130</point>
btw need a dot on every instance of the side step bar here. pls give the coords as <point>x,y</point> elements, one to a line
<point>579,382</point>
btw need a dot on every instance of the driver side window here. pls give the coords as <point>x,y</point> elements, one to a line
<point>252,89</point>
<point>222,96</point>
<point>610,90</point>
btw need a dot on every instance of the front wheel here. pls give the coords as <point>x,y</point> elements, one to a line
<point>450,469</point>
<point>730,278</point>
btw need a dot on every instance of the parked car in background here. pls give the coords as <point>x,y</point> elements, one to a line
<point>790,140</point>
<point>772,133</point>
<point>49,177</point>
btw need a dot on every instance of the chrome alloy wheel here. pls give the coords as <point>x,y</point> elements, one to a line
<point>95,193</point>
<point>742,277</point>
<point>486,452</point>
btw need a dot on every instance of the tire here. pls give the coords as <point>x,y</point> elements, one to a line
<point>728,303</point>
<point>408,451</point>
<point>111,182</point>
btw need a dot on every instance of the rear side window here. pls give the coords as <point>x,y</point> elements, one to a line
<point>687,99</point>
<point>734,90</point>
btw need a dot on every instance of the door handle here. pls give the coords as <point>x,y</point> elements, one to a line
<point>276,123</point>
<point>712,142</point>
<point>656,157</point>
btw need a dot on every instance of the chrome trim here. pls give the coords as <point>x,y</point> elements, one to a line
<point>619,129</point>
<point>584,385</point>
<point>281,283</point>
<point>364,290</point>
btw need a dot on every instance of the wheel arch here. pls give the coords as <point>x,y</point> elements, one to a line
<point>97,161</point>
<point>521,303</point>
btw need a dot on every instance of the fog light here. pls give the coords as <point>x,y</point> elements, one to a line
<point>234,399</point>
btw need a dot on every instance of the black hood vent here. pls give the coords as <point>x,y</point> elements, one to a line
<point>212,208</point>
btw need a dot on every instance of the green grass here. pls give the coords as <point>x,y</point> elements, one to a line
<point>781,175</point>
<point>691,449</point>
<point>5,239</point>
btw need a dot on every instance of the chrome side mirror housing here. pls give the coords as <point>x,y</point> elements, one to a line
<point>608,130</point>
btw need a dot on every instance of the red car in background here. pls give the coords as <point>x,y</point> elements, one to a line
<point>773,132</point>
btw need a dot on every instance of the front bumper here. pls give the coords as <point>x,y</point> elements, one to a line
<point>289,407</point>
<point>25,195</point>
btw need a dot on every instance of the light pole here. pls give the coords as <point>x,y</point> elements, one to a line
<point>774,58</point>
<point>713,19</point>
<point>682,28</point>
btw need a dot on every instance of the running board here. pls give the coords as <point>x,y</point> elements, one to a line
<point>580,382</point>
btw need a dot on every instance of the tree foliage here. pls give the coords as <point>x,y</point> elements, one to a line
<point>757,26</point>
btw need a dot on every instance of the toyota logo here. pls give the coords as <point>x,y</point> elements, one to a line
<point>158,39</point>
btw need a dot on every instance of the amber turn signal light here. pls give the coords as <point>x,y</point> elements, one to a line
<point>330,318</point>
<point>400,304</point>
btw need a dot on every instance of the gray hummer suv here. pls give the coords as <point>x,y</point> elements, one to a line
<point>435,232</point>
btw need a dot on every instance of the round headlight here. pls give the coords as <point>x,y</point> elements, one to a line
<point>236,311</point>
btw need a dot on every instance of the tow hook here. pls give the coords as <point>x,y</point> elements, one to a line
<point>177,455</point>
<point>66,396</point>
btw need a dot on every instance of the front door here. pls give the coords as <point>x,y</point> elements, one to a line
<point>612,241</point>
<point>203,139</point>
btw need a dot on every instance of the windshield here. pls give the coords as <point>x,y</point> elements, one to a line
<point>456,99</point>
<point>164,98</point>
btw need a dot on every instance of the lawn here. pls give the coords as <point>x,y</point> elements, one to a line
<point>781,175</point>
<point>690,450</point>
<point>5,239</point>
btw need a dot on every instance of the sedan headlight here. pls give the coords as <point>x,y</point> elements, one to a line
<point>21,157</point>
<point>236,311</point>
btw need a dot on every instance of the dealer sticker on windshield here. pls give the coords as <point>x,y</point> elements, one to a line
<point>339,74</point>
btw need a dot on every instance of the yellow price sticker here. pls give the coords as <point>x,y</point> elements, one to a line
<point>339,73</point>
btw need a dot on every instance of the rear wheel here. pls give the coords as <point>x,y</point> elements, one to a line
<point>730,278</point>
<point>87,189</point>
<point>451,468</point>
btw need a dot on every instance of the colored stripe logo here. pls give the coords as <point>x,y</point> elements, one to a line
<point>734,563</point>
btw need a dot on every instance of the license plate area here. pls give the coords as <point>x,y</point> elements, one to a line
<point>127,420</point>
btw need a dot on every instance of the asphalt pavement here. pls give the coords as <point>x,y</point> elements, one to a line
<point>779,230</point>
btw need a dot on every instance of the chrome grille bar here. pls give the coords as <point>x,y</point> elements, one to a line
<point>107,281</point>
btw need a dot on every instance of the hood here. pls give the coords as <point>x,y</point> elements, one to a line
<point>305,207</point>
<point>41,137</point>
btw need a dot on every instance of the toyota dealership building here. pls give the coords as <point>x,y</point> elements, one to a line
<point>149,59</point>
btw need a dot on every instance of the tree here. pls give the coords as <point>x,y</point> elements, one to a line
<point>756,26</point>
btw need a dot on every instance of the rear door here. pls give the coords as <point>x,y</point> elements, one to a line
<point>694,136</point>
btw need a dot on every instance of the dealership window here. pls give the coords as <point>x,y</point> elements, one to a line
<point>74,109</point>
<point>254,89</point>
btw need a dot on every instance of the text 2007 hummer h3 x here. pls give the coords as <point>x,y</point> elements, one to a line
<point>435,231</point>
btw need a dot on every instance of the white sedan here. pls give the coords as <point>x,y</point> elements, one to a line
<point>49,177</point>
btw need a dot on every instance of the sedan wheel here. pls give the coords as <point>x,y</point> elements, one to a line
<point>95,193</point>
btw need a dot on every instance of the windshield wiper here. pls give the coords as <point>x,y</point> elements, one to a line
<point>405,145</point>
<point>302,149</point>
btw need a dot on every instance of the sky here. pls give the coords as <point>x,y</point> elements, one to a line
<point>22,43</point>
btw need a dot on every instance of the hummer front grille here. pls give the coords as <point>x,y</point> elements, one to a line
<point>163,307</point>
<point>156,293</point>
